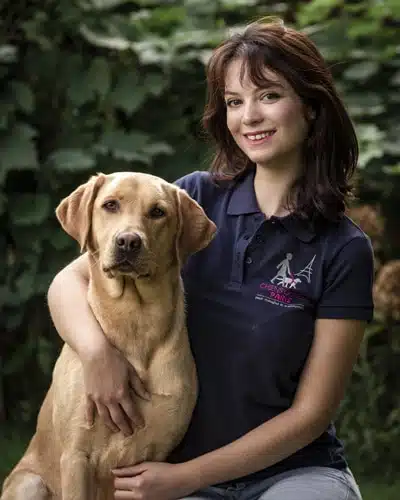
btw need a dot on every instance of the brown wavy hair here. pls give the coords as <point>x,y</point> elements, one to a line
<point>330,151</point>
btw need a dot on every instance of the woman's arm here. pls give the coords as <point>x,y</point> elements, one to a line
<point>76,324</point>
<point>321,388</point>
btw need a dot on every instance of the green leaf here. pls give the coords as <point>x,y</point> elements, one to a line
<point>107,4</point>
<point>158,148</point>
<point>392,169</point>
<point>369,153</point>
<point>365,103</point>
<point>17,150</point>
<point>153,50</point>
<point>85,84</point>
<point>364,28</point>
<point>127,94</point>
<point>395,80</point>
<point>155,83</point>
<point>6,108</point>
<point>371,143</point>
<point>234,4</point>
<point>369,133</point>
<point>104,40</point>
<point>316,10</point>
<point>78,91</point>
<point>8,54</point>
<point>23,96</point>
<point>126,146</point>
<point>30,209</point>
<point>99,77</point>
<point>361,71</point>
<point>72,160</point>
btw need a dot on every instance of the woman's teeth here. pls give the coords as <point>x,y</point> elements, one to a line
<point>257,137</point>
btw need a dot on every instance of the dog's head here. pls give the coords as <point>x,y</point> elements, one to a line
<point>135,224</point>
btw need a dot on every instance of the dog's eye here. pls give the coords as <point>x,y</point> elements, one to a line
<point>111,205</point>
<point>156,212</point>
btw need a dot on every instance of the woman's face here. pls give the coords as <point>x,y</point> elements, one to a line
<point>268,123</point>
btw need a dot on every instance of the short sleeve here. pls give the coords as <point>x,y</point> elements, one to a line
<point>191,183</point>
<point>347,292</point>
<point>200,186</point>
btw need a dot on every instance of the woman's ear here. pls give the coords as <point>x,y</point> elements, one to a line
<point>310,114</point>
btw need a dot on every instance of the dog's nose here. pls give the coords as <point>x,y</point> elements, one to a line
<point>129,242</point>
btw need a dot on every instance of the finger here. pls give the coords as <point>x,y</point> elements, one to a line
<point>132,412</point>
<point>125,494</point>
<point>90,410</point>
<point>119,419</point>
<point>105,416</point>
<point>133,470</point>
<point>138,386</point>
<point>126,483</point>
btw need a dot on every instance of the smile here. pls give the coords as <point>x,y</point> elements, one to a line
<point>260,135</point>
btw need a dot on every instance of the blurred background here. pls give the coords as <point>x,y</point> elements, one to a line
<point>107,85</point>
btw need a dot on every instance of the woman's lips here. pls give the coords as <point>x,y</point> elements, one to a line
<point>259,137</point>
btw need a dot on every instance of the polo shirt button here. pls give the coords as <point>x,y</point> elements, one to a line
<point>259,239</point>
<point>249,260</point>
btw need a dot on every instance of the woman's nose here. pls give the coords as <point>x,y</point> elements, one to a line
<point>252,113</point>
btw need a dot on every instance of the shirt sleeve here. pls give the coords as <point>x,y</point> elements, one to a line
<point>191,183</point>
<point>199,186</point>
<point>348,282</point>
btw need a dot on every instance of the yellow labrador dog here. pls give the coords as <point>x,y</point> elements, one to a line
<point>138,230</point>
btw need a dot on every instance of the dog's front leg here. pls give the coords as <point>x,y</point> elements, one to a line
<point>77,478</point>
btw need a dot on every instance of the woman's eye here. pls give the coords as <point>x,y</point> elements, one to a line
<point>270,96</point>
<point>156,213</point>
<point>231,103</point>
<point>111,205</point>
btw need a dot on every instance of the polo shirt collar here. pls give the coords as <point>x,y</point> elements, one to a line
<point>243,201</point>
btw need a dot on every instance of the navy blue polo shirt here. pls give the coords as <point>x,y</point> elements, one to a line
<point>253,296</point>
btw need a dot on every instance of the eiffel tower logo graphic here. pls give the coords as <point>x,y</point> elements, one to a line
<point>307,271</point>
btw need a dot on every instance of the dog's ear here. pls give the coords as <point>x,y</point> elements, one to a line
<point>196,230</point>
<point>75,211</point>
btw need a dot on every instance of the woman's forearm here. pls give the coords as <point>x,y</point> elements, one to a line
<point>70,310</point>
<point>262,447</point>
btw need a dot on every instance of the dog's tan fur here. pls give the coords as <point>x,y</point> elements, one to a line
<point>141,312</point>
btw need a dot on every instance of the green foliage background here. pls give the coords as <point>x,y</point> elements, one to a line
<point>107,85</point>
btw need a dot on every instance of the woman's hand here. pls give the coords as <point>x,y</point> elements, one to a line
<point>153,481</point>
<point>112,385</point>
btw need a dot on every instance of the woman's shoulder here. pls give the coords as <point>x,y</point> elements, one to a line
<point>200,185</point>
<point>345,237</point>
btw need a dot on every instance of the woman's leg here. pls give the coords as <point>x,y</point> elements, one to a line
<point>313,483</point>
<point>211,493</point>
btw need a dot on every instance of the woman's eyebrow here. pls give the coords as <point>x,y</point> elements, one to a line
<point>265,86</point>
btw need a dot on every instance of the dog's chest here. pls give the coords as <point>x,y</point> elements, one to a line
<point>129,324</point>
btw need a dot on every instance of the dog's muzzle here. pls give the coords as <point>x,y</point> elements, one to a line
<point>127,247</point>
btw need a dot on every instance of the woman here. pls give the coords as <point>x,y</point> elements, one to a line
<point>277,304</point>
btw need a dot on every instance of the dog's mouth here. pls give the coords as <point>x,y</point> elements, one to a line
<point>125,267</point>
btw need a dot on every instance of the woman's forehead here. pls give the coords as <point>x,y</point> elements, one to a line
<point>240,73</point>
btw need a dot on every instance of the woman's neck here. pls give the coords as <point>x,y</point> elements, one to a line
<point>272,190</point>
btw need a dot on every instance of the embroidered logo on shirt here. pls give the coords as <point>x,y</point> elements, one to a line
<point>281,289</point>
